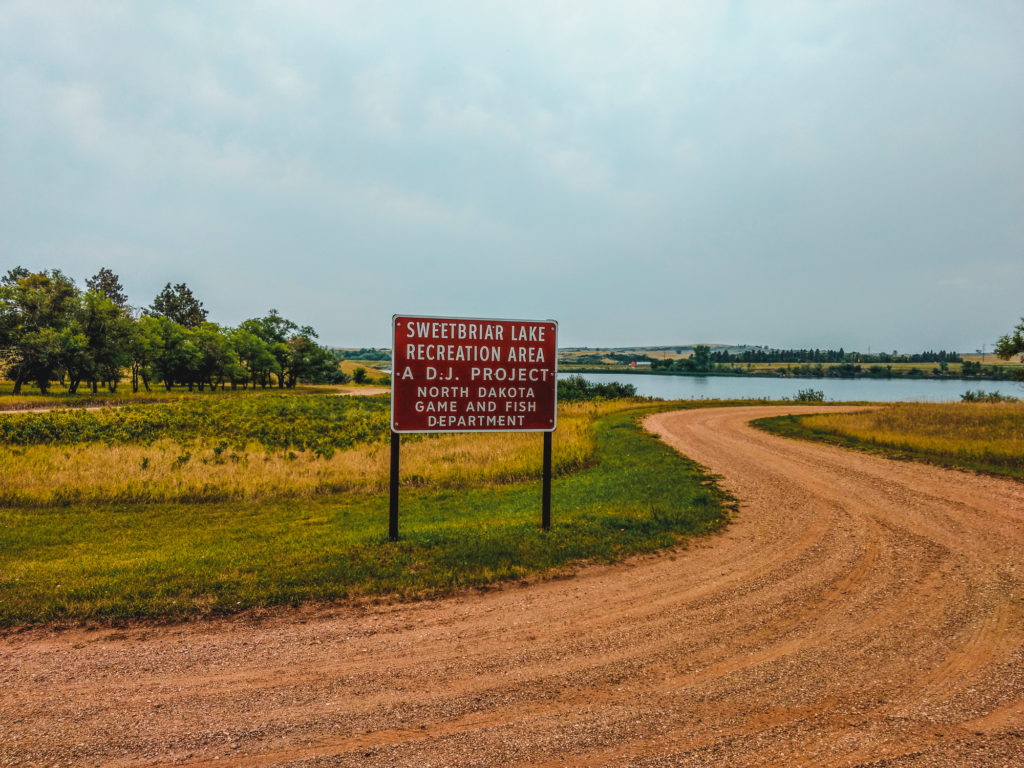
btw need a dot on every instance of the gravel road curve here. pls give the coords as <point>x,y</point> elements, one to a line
<point>858,612</point>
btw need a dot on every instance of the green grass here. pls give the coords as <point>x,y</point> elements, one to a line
<point>58,397</point>
<point>251,449</point>
<point>320,423</point>
<point>981,437</point>
<point>172,561</point>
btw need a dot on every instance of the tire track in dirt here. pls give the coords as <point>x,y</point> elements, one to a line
<point>858,612</point>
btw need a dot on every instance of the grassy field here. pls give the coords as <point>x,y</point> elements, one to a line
<point>991,359</point>
<point>256,448</point>
<point>986,437</point>
<point>31,399</point>
<point>112,561</point>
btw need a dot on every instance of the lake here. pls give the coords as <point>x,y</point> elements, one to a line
<point>771,388</point>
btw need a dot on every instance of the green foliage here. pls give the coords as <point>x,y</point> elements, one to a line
<point>766,355</point>
<point>843,371</point>
<point>810,396</point>
<point>700,360</point>
<point>49,331</point>
<point>36,312</point>
<point>369,354</point>
<point>95,345</point>
<point>576,388</point>
<point>337,376</point>
<point>319,423</point>
<point>359,375</point>
<point>254,353</point>
<point>108,285</point>
<point>180,560</point>
<point>1012,344</point>
<point>289,351</point>
<point>178,305</point>
<point>308,360</point>
<point>981,396</point>
<point>822,363</point>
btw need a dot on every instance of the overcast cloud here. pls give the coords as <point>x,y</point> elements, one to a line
<point>792,174</point>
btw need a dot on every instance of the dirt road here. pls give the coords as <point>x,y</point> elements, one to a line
<point>859,612</point>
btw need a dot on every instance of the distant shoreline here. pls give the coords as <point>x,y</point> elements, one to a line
<point>781,374</point>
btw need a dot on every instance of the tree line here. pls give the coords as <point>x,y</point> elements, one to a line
<point>52,331</point>
<point>704,359</point>
<point>835,363</point>
<point>830,356</point>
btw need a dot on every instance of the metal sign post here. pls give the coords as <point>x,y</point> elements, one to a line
<point>393,496</point>
<point>467,374</point>
<point>545,495</point>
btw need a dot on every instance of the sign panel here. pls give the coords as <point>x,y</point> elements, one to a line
<point>467,374</point>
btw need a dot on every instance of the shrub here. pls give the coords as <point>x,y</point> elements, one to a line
<point>810,396</point>
<point>576,388</point>
<point>981,396</point>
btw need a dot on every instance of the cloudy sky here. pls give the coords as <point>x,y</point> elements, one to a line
<point>791,174</point>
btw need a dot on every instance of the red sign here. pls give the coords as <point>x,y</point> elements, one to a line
<point>467,374</point>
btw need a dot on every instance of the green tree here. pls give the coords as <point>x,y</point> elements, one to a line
<point>700,360</point>
<point>1012,343</point>
<point>177,359</point>
<point>107,283</point>
<point>35,310</point>
<point>254,355</point>
<point>216,359</point>
<point>307,360</point>
<point>10,312</point>
<point>75,357</point>
<point>107,329</point>
<point>145,345</point>
<point>178,304</point>
<point>275,331</point>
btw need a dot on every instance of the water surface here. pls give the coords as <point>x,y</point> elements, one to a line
<point>772,388</point>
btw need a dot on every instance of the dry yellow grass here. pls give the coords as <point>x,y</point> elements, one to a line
<point>975,434</point>
<point>166,471</point>
<point>991,359</point>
